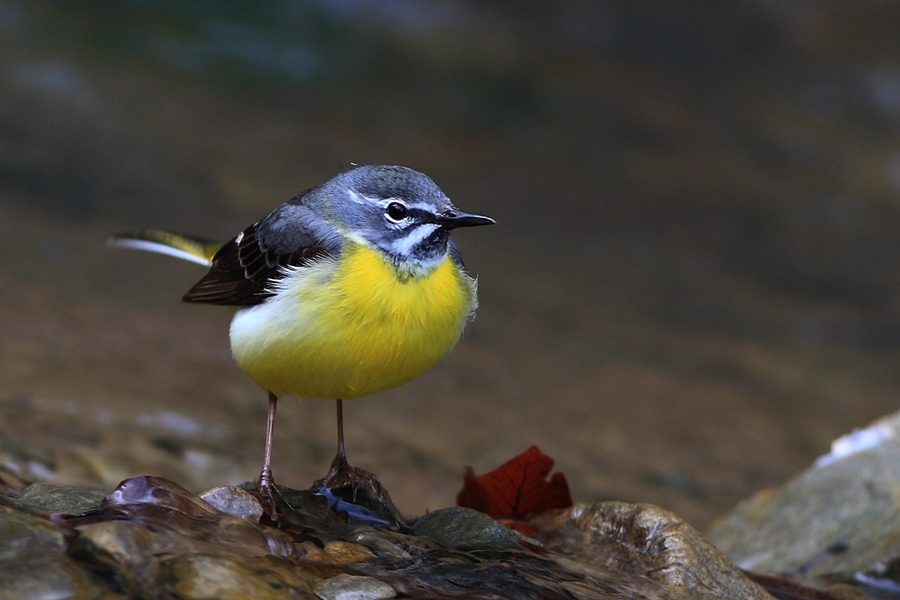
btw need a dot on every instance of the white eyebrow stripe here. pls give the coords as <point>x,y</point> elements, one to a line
<point>425,206</point>
<point>360,198</point>
<point>383,202</point>
<point>363,199</point>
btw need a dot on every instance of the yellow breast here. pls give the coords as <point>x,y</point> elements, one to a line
<point>351,328</point>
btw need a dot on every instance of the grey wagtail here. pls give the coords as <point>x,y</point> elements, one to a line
<point>347,289</point>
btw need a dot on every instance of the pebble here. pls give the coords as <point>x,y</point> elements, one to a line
<point>354,587</point>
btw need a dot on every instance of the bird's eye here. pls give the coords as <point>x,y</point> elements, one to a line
<point>396,211</point>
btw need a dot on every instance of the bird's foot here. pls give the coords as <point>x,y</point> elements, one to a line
<point>341,474</point>
<point>267,492</point>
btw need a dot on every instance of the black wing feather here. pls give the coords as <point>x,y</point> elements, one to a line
<point>244,270</point>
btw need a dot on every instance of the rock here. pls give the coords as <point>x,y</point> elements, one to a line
<point>649,547</point>
<point>45,498</point>
<point>24,537</point>
<point>354,587</point>
<point>33,561</point>
<point>839,521</point>
<point>201,577</point>
<point>342,501</point>
<point>152,538</point>
<point>48,579</point>
<point>234,501</point>
<point>340,553</point>
<point>465,529</point>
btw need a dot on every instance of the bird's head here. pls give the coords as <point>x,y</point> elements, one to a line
<point>398,211</point>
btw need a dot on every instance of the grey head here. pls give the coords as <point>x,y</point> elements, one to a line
<point>397,210</point>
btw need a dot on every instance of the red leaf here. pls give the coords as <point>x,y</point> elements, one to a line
<point>517,488</point>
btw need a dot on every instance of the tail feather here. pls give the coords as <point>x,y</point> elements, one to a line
<point>185,247</point>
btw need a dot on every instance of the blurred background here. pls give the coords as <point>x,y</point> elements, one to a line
<point>692,289</point>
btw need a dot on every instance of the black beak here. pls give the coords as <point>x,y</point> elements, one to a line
<point>456,218</point>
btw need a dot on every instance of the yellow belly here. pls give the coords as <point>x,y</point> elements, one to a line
<point>349,330</point>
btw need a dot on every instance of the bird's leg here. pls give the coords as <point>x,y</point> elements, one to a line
<point>340,456</point>
<point>265,481</point>
<point>340,465</point>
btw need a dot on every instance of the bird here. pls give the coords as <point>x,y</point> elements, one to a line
<point>349,288</point>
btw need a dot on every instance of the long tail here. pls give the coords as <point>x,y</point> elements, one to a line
<point>185,247</point>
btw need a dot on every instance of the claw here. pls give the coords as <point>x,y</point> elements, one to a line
<point>341,472</point>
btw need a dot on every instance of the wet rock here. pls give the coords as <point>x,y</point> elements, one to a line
<point>46,498</point>
<point>840,520</point>
<point>465,529</point>
<point>647,546</point>
<point>49,579</point>
<point>354,587</point>
<point>24,537</point>
<point>151,538</point>
<point>390,544</point>
<point>340,553</point>
<point>609,550</point>
<point>33,561</point>
<point>197,576</point>
<point>511,575</point>
<point>357,504</point>
<point>143,493</point>
<point>234,501</point>
<point>119,550</point>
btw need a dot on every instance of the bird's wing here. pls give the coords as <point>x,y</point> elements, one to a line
<point>244,270</point>
<point>181,246</point>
